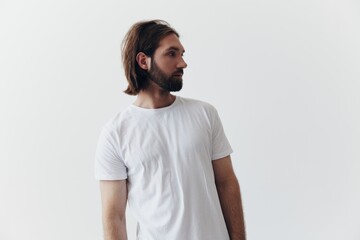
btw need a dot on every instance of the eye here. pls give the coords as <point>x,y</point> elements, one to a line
<point>172,53</point>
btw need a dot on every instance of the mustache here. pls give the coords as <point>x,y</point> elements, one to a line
<point>179,71</point>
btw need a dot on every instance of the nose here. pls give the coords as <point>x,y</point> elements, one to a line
<point>182,64</point>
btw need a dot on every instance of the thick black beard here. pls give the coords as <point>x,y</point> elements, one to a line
<point>168,83</point>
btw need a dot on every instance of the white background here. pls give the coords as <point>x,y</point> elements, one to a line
<point>284,76</point>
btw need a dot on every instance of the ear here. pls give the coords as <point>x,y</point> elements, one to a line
<point>143,60</point>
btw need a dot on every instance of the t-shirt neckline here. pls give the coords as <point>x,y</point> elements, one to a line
<point>156,110</point>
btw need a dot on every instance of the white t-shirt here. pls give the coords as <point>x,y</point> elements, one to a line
<point>166,155</point>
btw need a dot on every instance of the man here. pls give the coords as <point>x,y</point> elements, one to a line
<point>167,156</point>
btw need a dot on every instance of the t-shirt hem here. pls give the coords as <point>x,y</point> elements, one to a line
<point>98,177</point>
<point>222,154</point>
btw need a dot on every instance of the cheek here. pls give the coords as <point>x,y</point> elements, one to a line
<point>167,66</point>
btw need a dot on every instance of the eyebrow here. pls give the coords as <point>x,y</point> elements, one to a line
<point>174,48</point>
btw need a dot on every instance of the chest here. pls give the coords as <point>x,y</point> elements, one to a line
<point>165,142</point>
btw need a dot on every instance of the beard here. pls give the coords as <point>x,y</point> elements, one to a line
<point>168,83</point>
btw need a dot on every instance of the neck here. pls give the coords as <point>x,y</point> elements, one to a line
<point>154,97</point>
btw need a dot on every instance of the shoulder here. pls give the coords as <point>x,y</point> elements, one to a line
<point>117,121</point>
<point>198,104</point>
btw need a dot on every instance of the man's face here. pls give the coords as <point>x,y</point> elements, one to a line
<point>167,64</point>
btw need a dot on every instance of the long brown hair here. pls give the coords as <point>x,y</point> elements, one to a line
<point>143,37</point>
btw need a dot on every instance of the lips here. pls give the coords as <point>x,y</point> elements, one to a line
<point>178,73</point>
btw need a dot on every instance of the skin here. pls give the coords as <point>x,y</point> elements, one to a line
<point>169,58</point>
<point>114,198</point>
<point>228,190</point>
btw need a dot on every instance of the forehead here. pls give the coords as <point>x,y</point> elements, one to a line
<point>170,42</point>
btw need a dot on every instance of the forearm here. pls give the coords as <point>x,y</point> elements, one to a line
<point>114,228</point>
<point>231,205</point>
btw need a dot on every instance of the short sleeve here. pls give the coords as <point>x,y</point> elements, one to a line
<point>220,144</point>
<point>108,163</point>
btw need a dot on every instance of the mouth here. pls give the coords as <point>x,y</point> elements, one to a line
<point>178,74</point>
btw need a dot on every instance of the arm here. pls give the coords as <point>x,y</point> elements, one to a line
<point>229,194</point>
<point>114,197</point>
